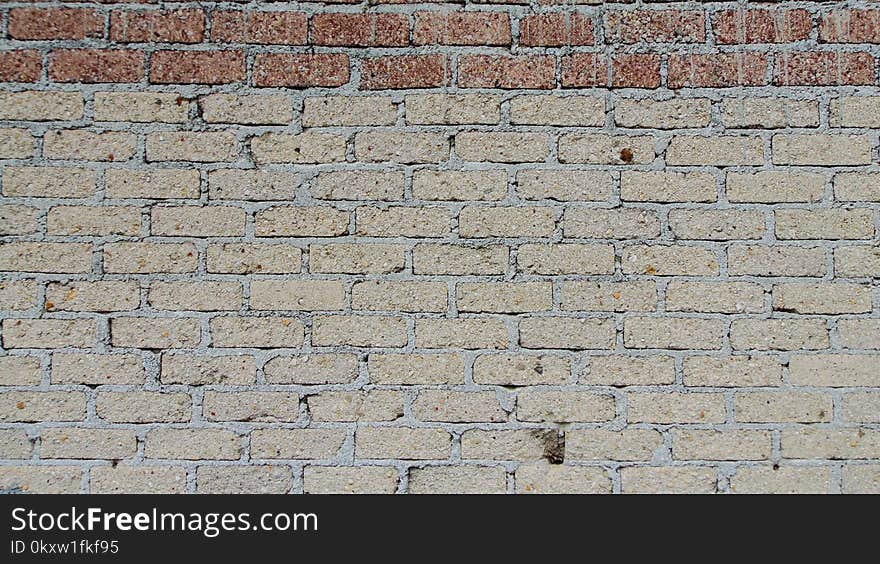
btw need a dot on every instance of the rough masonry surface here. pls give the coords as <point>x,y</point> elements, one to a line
<point>508,246</point>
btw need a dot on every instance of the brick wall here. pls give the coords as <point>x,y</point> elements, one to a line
<point>484,247</point>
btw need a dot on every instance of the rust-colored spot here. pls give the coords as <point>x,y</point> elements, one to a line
<point>285,322</point>
<point>20,405</point>
<point>616,295</point>
<point>50,305</point>
<point>626,155</point>
<point>650,270</point>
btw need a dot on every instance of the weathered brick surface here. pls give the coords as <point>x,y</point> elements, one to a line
<point>427,247</point>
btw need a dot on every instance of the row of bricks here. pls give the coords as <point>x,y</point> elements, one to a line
<point>531,477</point>
<point>556,29</point>
<point>828,298</point>
<point>433,109</point>
<point>381,331</point>
<point>439,369</point>
<point>331,69</point>
<point>424,443</point>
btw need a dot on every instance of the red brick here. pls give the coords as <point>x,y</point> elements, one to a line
<point>850,26</point>
<point>823,68</point>
<point>584,70</point>
<point>228,26</point>
<point>403,71</point>
<point>490,71</point>
<point>96,65</point>
<point>197,67</point>
<point>285,28</point>
<point>640,70</point>
<point>717,70</point>
<point>360,30</point>
<point>461,28</point>
<point>55,23</point>
<point>556,30</point>
<point>176,26</point>
<point>20,66</point>
<point>761,26</point>
<point>301,71</point>
<point>655,26</point>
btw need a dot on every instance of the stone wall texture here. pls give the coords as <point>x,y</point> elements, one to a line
<point>382,246</point>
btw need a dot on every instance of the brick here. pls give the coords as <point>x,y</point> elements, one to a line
<point>401,443</point>
<point>305,147</point>
<point>454,260</point>
<point>84,145</point>
<point>461,185</point>
<point>564,407</point>
<point>195,296</point>
<point>822,150</point>
<point>557,110</point>
<point>192,444</point>
<point>605,149</point>
<point>636,70</point>
<point>254,258</point>
<point>859,333</point>
<point>457,407</point>
<point>194,221</point>
<point>48,333</point>
<point>55,23</point>
<point>198,67</point>
<point>352,258</point>
<point>250,406</point>
<point>402,222</point>
<point>506,222</point>
<point>300,70</point>
<point>768,113</point>
<point>154,184</point>
<point>19,220</point>
<point>556,30</point>
<point>87,443</point>
<point>619,223</point>
<point>574,185</point>
<point>513,444</point>
<point>717,151</point>
<point>350,480</point>
<point>566,258</point>
<point>15,445</point>
<point>778,334</point>
<point>775,187</point>
<point>26,256</point>
<point>360,30</point>
<point>312,369</point>
<point>850,26</point>
<point>587,70</point>
<point>141,107</point>
<point>461,28</point>
<point>833,370</point>
<point>152,333</point>
<point>669,260</point>
<point>18,295</point>
<point>566,333</point>
<point>359,331</point>
<point>23,65</point>
<point>658,186</point>
<point>203,147</point>
<point>709,444</point>
<point>141,258</point>
<point>778,260</point>
<point>504,147</point>
<point>676,113</point>
<point>297,295</point>
<point>96,369</point>
<point>512,369</point>
<point>300,221</point>
<point>243,479</point>
<point>823,68</point>
<point>19,371</point>
<point>256,332</point>
<point>824,224</point>
<point>468,333</point>
<point>717,70</point>
<point>781,480</point>
<point>761,26</point>
<point>96,65</point>
<point>285,28</point>
<point>252,110</point>
<point>93,221</point>
<point>857,187</point>
<point>16,144</point>
<point>600,444</point>
<point>200,370</point>
<point>452,109</point>
<point>823,298</point>
<point>654,26</point>
<point>732,371</point>
<point>714,297</point>
<point>672,333</point>
<point>167,26</point>
<point>49,182</point>
<point>675,407</point>
<point>399,296</point>
<point>358,185</point>
<point>854,111</point>
<point>396,72</point>
<point>619,371</point>
<point>375,405</point>
<point>401,147</point>
<point>43,479</point>
<point>143,407</point>
<point>785,407</point>
<point>833,444</point>
<point>856,261</point>
<point>101,296</point>
<point>457,480</point>
<point>860,478</point>
<point>504,297</point>
<point>493,71</point>
<point>348,110</point>
<point>41,106</point>
<point>717,225</point>
<point>252,185</point>
<point>30,407</point>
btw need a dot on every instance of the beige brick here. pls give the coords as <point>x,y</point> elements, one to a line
<point>564,407</point>
<point>192,444</point>
<point>402,443</point>
<point>859,333</point>
<point>243,479</point>
<point>87,443</point>
<point>401,147</point>
<point>300,221</point>
<point>833,444</point>
<point>348,110</point>
<point>857,187</point>
<point>141,107</point>
<point>778,260</point>
<point>195,370</point>
<point>459,185</point>
<point>502,147</point>
<point>16,144</point>
<point>774,186</point>
<point>668,480</point>
<point>256,332</point>
<point>254,258</point>
<point>99,296</point>
<point>718,150</point>
<point>732,371</point>
<point>566,333</point>
<point>31,407</point>
<point>822,150</point>
<point>48,182</point>
<point>359,331</point>
<point>297,295</point>
<point>768,113</point>
<point>618,223</point>
<point>154,183</point>
<point>41,479</point>
<point>252,185</point>
<point>457,480</point>
<point>251,109</point>
<point>300,148</point>
<point>778,334</point>
<point>823,298</point>
<point>356,258</point>
<point>857,261</point>
<point>675,113</point>
<point>18,295</point>
<point>601,444</point>
<point>710,444</point>
<point>312,369</point>
<point>193,146</point>
<point>504,297</point>
<point>783,407</point>
<point>512,369</point>
<point>675,407</point>
<point>457,407</point>
<point>717,225</point>
<point>404,296</point>
<point>669,260</point>
<point>673,333</point>
<point>271,407</point>
<point>564,185</point>
<point>781,480</point>
<point>48,333</point>
<point>506,222</point>
<point>557,110</point>
<point>144,407</point>
<point>19,220</point>
<point>70,144</point>
<point>514,444</point>
<point>860,478</point>
<point>613,370</point>
<point>154,333</point>
<point>27,256</point>
<point>608,296</point>
<point>373,405</point>
<point>565,258</point>
<point>349,480</point>
<point>195,296</point>
<point>94,221</point>
<point>467,333</point>
<point>145,258</point>
<point>664,186</point>
<point>402,222</point>
<point>416,368</point>
<point>359,185</point>
<point>855,111</point>
<point>605,149</point>
<point>824,224</point>
<point>194,221</point>
<point>834,370</point>
<point>96,369</point>
<point>429,258</point>
<point>714,297</point>
<point>122,479</point>
<point>452,109</point>
<point>41,106</point>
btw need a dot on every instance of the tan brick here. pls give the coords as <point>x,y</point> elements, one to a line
<point>30,407</point>
<point>467,333</point>
<point>564,185</point>
<point>300,221</point>
<point>48,182</point>
<point>373,405</point>
<point>663,186</point>
<point>502,147</point>
<point>772,186</point>
<point>248,406</point>
<point>401,147</point>
<point>359,185</point>
<point>403,296</point>
<point>18,295</point>
<point>822,150</point>
<point>243,479</point>
<point>99,296</point>
<point>142,107</point>
<point>193,146</point>
<point>254,258</point>
<point>506,222</point>
<point>512,369</point>
<point>834,370</point>
<point>96,369</point>
<point>600,444</point>
<point>27,256</point>
<point>768,113</point>
<point>402,222</point>
<point>297,295</point>
<point>48,333</point>
<point>613,370</point>
<point>402,443</point>
<point>87,443</point>
<point>194,221</point>
<point>675,407</point>
<point>195,296</point>
<point>710,444</point>
<point>359,331</point>
<point>94,221</point>
<point>857,261</point>
<point>778,260</point>
<point>312,369</point>
<point>348,110</point>
<point>515,444</point>
<point>566,333</point>
<point>235,184</point>
<point>675,113</point>
<point>192,444</point>
<point>823,298</point>
<point>781,480</point>
<point>557,110</point>
<point>16,144</point>
<point>452,109</point>
<point>717,225</point>
<point>416,368</point>
<point>457,480</point>
<point>608,296</point>
<point>732,371</point>
<point>356,258</point>
<point>154,183</point>
<point>144,407</point>
<point>861,478</point>
<point>145,258</point>
<point>15,445</point>
<point>784,407</point>
<point>673,333</point>
<point>564,407</point>
<point>668,480</point>
<point>778,334</point>
<point>457,407</point>
<point>429,258</point>
<point>833,444</point>
<point>719,150</point>
<point>41,479</point>
<point>19,220</point>
<point>153,333</point>
<point>855,111</point>
<point>824,224</point>
<point>605,149</point>
<point>857,187</point>
<point>669,260</point>
<point>349,480</point>
<point>566,258</point>
<point>256,332</point>
<point>69,144</point>
<point>504,297</point>
<point>41,106</point>
<point>718,297</point>
<point>459,185</point>
<point>19,371</point>
<point>251,109</point>
<point>619,223</point>
<point>859,333</point>
<point>307,147</point>
<point>195,370</point>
